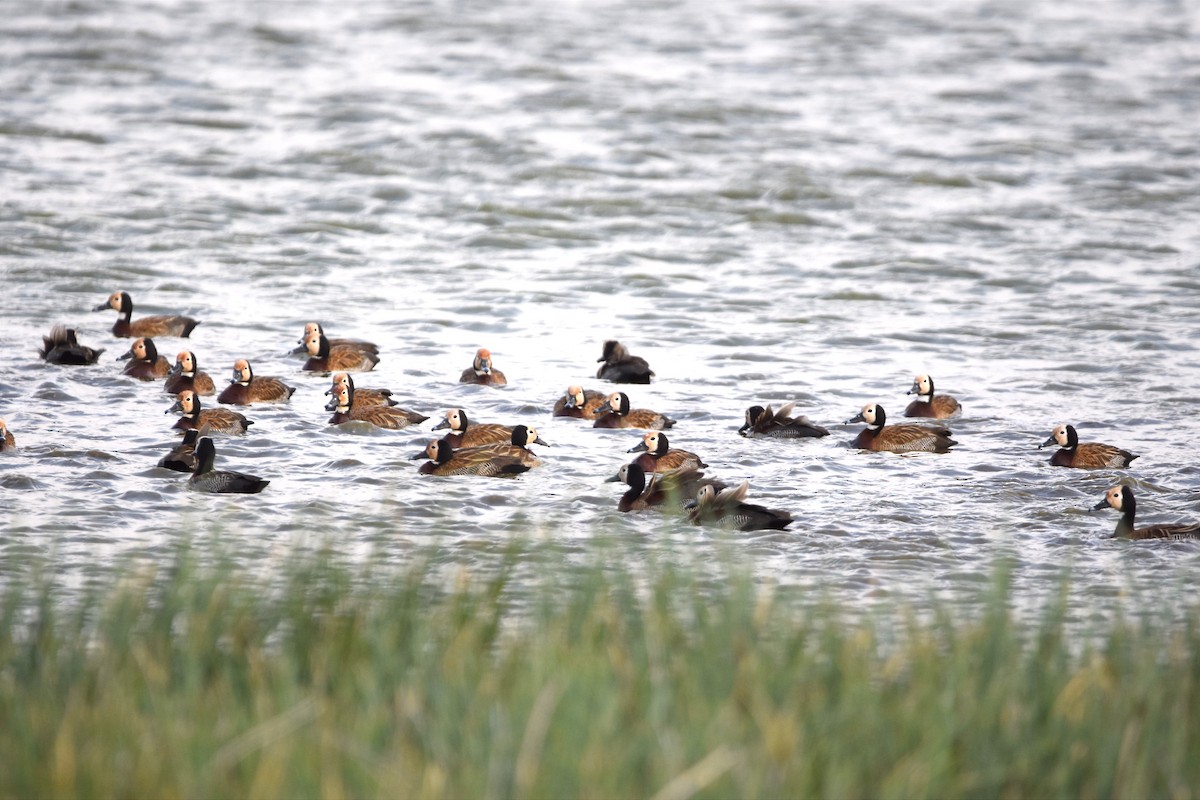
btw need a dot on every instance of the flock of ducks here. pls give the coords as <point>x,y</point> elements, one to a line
<point>659,476</point>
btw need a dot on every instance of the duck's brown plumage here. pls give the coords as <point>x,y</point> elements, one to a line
<point>489,460</point>
<point>615,412</point>
<point>334,341</point>
<point>1089,455</point>
<point>765,423</point>
<point>245,387</point>
<point>145,363</point>
<point>579,403</point>
<point>187,375</point>
<point>657,455</point>
<point>7,440</point>
<point>898,438</point>
<point>363,396</point>
<point>346,408</point>
<point>675,488</point>
<point>482,372</point>
<point>323,358</point>
<point>928,404</point>
<point>621,367</point>
<point>216,420</point>
<point>182,457</point>
<point>61,347</point>
<point>126,327</point>
<point>1121,498</point>
<point>464,433</point>
<point>727,509</point>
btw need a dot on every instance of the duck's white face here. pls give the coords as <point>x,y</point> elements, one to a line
<point>870,413</point>
<point>1115,497</point>
<point>454,418</point>
<point>531,436</point>
<point>651,440</point>
<point>706,494</point>
<point>114,301</point>
<point>576,394</point>
<point>311,329</point>
<point>1060,436</point>
<point>923,384</point>
<point>483,360</point>
<point>312,344</point>
<point>431,450</point>
<point>241,371</point>
<point>3,429</point>
<point>188,402</point>
<point>186,361</point>
<point>139,349</point>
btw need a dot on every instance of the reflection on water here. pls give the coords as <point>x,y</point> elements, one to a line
<point>769,203</point>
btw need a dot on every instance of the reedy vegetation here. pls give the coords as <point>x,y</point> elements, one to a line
<point>350,680</point>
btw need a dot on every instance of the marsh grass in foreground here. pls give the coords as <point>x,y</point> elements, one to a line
<point>346,680</point>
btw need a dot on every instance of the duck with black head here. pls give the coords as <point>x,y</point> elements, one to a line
<point>145,363</point>
<point>62,347</point>
<point>880,436</point>
<point>187,375</point>
<point>322,357</point>
<point>246,388</point>
<point>162,325</point>
<point>616,412</point>
<point>214,420</point>
<point>764,423</point>
<point>481,371</point>
<point>927,404</point>
<point>206,479</point>
<point>1088,455</point>
<point>1121,498</point>
<point>621,367</point>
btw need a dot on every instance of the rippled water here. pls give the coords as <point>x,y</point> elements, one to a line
<point>769,201</point>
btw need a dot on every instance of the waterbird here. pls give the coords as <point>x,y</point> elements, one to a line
<point>1089,455</point>
<point>161,325</point>
<point>482,372</point>
<point>621,367</point>
<point>898,438</point>
<point>216,420</point>
<point>206,479</point>
<point>763,423</point>
<point>245,387</point>
<point>1121,498</point>
<point>61,346</point>
<point>615,412</point>
<point>927,403</point>
<point>145,363</point>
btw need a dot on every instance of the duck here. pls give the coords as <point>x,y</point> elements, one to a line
<point>490,460</point>
<point>324,358</point>
<point>7,440</point>
<point>464,433</point>
<point>579,402</point>
<point>126,328</point>
<point>481,371</point>
<point>657,455</point>
<point>363,396</point>
<point>927,403</point>
<point>61,347</point>
<point>621,367</point>
<point>345,407</point>
<point>615,412</point>
<point>245,387</point>
<point>1089,455</point>
<point>354,344</point>
<point>185,375</point>
<point>145,363</point>
<point>1121,498</point>
<point>206,479</point>
<point>182,457</point>
<point>660,489</point>
<point>216,420</point>
<point>726,508</point>
<point>764,423</point>
<point>898,438</point>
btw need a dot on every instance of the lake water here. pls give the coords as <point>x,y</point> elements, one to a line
<point>769,201</point>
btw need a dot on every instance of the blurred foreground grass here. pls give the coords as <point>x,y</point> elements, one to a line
<point>336,679</point>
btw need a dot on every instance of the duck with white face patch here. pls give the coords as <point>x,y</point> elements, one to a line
<point>1121,498</point>
<point>928,404</point>
<point>879,436</point>
<point>1088,455</point>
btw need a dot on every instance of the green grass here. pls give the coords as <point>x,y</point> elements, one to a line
<point>336,679</point>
